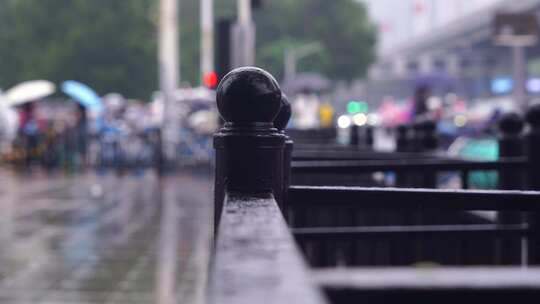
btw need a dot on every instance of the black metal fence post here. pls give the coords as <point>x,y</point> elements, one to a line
<point>510,145</point>
<point>354,135</point>
<point>416,145</point>
<point>402,145</point>
<point>424,136</point>
<point>533,146</point>
<point>533,172</point>
<point>416,137</point>
<point>402,138</point>
<point>249,150</point>
<point>280,123</point>
<point>370,141</point>
<point>426,141</point>
<point>428,135</point>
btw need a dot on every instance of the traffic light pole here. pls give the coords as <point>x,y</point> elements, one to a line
<point>207,37</point>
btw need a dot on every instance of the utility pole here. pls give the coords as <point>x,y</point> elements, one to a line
<point>244,12</point>
<point>519,72</point>
<point>207,37</point>
<point>243,46</point>
<point>169,74</point>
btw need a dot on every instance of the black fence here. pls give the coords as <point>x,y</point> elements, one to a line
<point>391,244</point>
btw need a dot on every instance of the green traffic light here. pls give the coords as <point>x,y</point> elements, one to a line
<point>354,107</point>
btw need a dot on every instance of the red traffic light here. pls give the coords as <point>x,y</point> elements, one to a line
<point>210,79</point>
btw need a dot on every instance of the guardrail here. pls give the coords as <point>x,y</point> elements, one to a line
<point>257,260</point>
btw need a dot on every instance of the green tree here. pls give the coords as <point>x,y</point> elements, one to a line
<point>110,45</point>
<point>342,27</point>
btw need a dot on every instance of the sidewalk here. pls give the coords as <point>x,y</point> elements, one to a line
<point>104,239</point>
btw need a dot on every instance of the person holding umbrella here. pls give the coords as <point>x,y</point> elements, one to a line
<point>87,100</point>
<point>30,131</point>
<point>24,96</point>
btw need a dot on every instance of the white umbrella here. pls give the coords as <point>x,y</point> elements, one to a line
<point>29,91</point>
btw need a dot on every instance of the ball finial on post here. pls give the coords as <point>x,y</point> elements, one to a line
<point>284,115</point>
<point>249,149</point>
<point>533,116</point>
<point>248,95</point>
<point>511,124</point>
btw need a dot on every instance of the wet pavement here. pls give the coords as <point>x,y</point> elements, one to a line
<point>104,238</point>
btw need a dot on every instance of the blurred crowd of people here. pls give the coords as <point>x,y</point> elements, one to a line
<point>123,134</point>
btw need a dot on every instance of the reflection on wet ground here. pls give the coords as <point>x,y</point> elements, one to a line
<point>105,238</point>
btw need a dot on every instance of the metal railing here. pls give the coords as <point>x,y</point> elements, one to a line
<point>256,259</point>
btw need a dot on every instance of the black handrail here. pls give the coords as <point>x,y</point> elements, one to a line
<point>256,257</point>
<point>347,167</point>
<point>387,232</point>
<point>497,200</point>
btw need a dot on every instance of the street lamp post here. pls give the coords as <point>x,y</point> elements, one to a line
<point>519,74</point>
<point>243,36</point>
<point>292,55</point>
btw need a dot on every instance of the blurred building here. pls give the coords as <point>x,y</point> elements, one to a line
<point>446,44</point>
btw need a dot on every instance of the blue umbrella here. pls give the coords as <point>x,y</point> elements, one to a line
<point>82,94</point>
